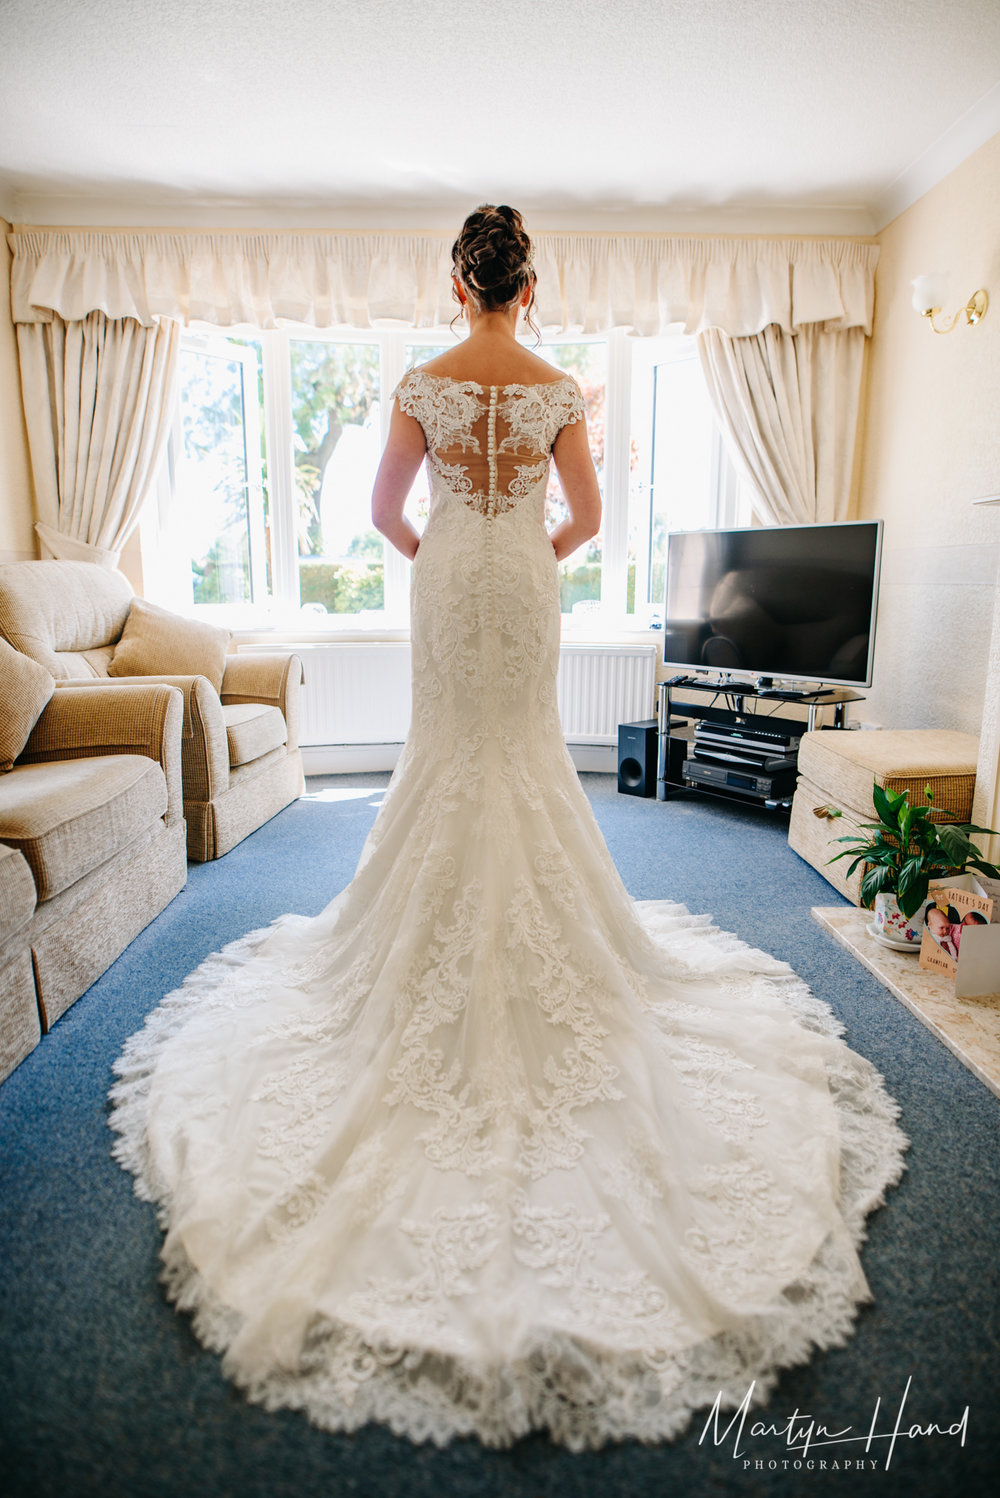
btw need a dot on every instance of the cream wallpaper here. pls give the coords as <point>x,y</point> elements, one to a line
<point>930,446</point>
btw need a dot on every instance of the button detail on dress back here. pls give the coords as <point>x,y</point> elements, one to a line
<point>452,413</point>
<point>491,501</point>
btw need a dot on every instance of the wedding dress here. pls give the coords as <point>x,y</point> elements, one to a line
<point>486,1146</point>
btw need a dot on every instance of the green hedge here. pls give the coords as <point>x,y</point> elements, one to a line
<point>342,587</point>
<point>349,587</point>
<point>583,582</point>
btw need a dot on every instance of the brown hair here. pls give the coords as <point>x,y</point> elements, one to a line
<point>492,259</point>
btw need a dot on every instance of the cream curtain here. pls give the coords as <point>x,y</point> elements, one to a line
<point>788,407</point>
<point>98,401</point>
<point>586,282</point>
<point>781,325</point>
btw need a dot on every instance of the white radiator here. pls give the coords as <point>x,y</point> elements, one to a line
<point>354,692</point>
<point>359,692</point>
<point>600,686</point>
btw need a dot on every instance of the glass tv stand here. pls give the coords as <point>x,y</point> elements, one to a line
<point>737,740</point>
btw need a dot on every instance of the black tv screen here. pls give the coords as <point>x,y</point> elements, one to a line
<point>796,603</point>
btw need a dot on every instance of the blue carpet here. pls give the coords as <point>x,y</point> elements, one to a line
<point>103,1389</point>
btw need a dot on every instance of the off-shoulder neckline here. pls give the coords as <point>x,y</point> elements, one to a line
<point>426,374</point>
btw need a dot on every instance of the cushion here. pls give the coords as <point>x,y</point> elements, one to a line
<point>252,730</point>
<point>844,765</point>
<point>64,615</point>
<point>156,642</point>
<point>25,688</point>
<point>69,816</point>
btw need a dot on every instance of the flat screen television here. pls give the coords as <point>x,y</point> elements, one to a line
<point>792,603</point>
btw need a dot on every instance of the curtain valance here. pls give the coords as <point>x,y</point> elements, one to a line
<point>586,282</point>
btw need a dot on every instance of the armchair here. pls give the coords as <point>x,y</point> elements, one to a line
<point>91,848</point>
<point>240,755</point>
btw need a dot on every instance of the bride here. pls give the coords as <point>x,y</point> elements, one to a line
<point>487,1147</point>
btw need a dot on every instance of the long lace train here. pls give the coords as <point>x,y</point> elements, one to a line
<point>585,1390</point>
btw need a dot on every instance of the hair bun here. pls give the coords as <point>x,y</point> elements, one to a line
<point>492,256</point>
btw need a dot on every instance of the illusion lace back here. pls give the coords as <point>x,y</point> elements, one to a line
<point>486,1146</point>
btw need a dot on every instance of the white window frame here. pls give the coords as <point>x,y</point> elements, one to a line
<point>278,425</point>
<point>728,498</point>
<point>163,565</point>
<point>282,613</point>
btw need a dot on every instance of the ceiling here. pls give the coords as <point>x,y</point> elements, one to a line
<point>786,116</point>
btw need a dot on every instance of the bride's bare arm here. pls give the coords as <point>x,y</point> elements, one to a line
<point>403,455</point>
<point>575,466</point>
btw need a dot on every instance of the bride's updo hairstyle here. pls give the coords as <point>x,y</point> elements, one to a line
<point>492,259</point>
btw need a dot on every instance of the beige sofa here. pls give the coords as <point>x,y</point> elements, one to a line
<point>20,1029</point>
<point>91,848</point>
<point>240,754</point>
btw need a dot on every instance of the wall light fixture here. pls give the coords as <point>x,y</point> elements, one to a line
<point>931,292</point>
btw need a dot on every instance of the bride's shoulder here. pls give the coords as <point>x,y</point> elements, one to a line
<point>544,373</point>
<point>528,372</point>
<point>435,366</point>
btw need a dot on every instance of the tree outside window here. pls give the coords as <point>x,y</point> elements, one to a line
<point>336,446</point>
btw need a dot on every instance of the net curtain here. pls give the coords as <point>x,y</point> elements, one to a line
<point>780,326</point>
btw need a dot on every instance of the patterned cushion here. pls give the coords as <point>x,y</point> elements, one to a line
<point>25,688</point>
<point>156,642</point>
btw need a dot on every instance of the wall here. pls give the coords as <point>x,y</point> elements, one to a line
<point>930,446</point>
<point>17,500</point>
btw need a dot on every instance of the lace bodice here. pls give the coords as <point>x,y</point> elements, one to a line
<point>489,444</point>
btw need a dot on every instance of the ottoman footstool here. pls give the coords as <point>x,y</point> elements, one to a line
<point>838,769</point>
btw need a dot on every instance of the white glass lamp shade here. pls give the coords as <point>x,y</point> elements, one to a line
<point>930,292</point>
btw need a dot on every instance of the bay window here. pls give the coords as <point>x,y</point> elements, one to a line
<point>262,513</point>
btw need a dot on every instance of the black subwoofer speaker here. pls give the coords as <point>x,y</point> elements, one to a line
<point>637,746</point>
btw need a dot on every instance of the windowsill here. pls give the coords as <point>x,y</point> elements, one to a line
<point>310,631</point>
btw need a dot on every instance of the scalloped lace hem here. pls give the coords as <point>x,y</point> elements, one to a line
<point>580,1392</point>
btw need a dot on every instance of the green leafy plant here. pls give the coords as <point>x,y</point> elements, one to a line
<point>905,850</point>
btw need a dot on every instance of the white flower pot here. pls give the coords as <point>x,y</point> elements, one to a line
<point>892,925</point>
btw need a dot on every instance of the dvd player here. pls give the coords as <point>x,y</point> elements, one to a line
<point>758,759</point>
<point>774,787</point>
<point>763,740</point>
<point>762,725</point>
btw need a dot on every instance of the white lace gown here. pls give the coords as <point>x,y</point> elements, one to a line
<point>486,1146</point>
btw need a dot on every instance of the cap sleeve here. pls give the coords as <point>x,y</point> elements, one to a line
<point>406,393</point>
<point>570,406</point>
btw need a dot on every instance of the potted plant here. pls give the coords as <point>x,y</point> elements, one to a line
<point>904,851</point>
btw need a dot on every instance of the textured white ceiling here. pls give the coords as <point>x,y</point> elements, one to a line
<point>795,115</point>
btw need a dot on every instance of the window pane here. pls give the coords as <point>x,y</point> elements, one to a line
<point>673,479</point>
<point>211,508</point>
<point>580,574</point>
<point>421,353</point>
<point>335,418</point>
<point>260,513</point>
